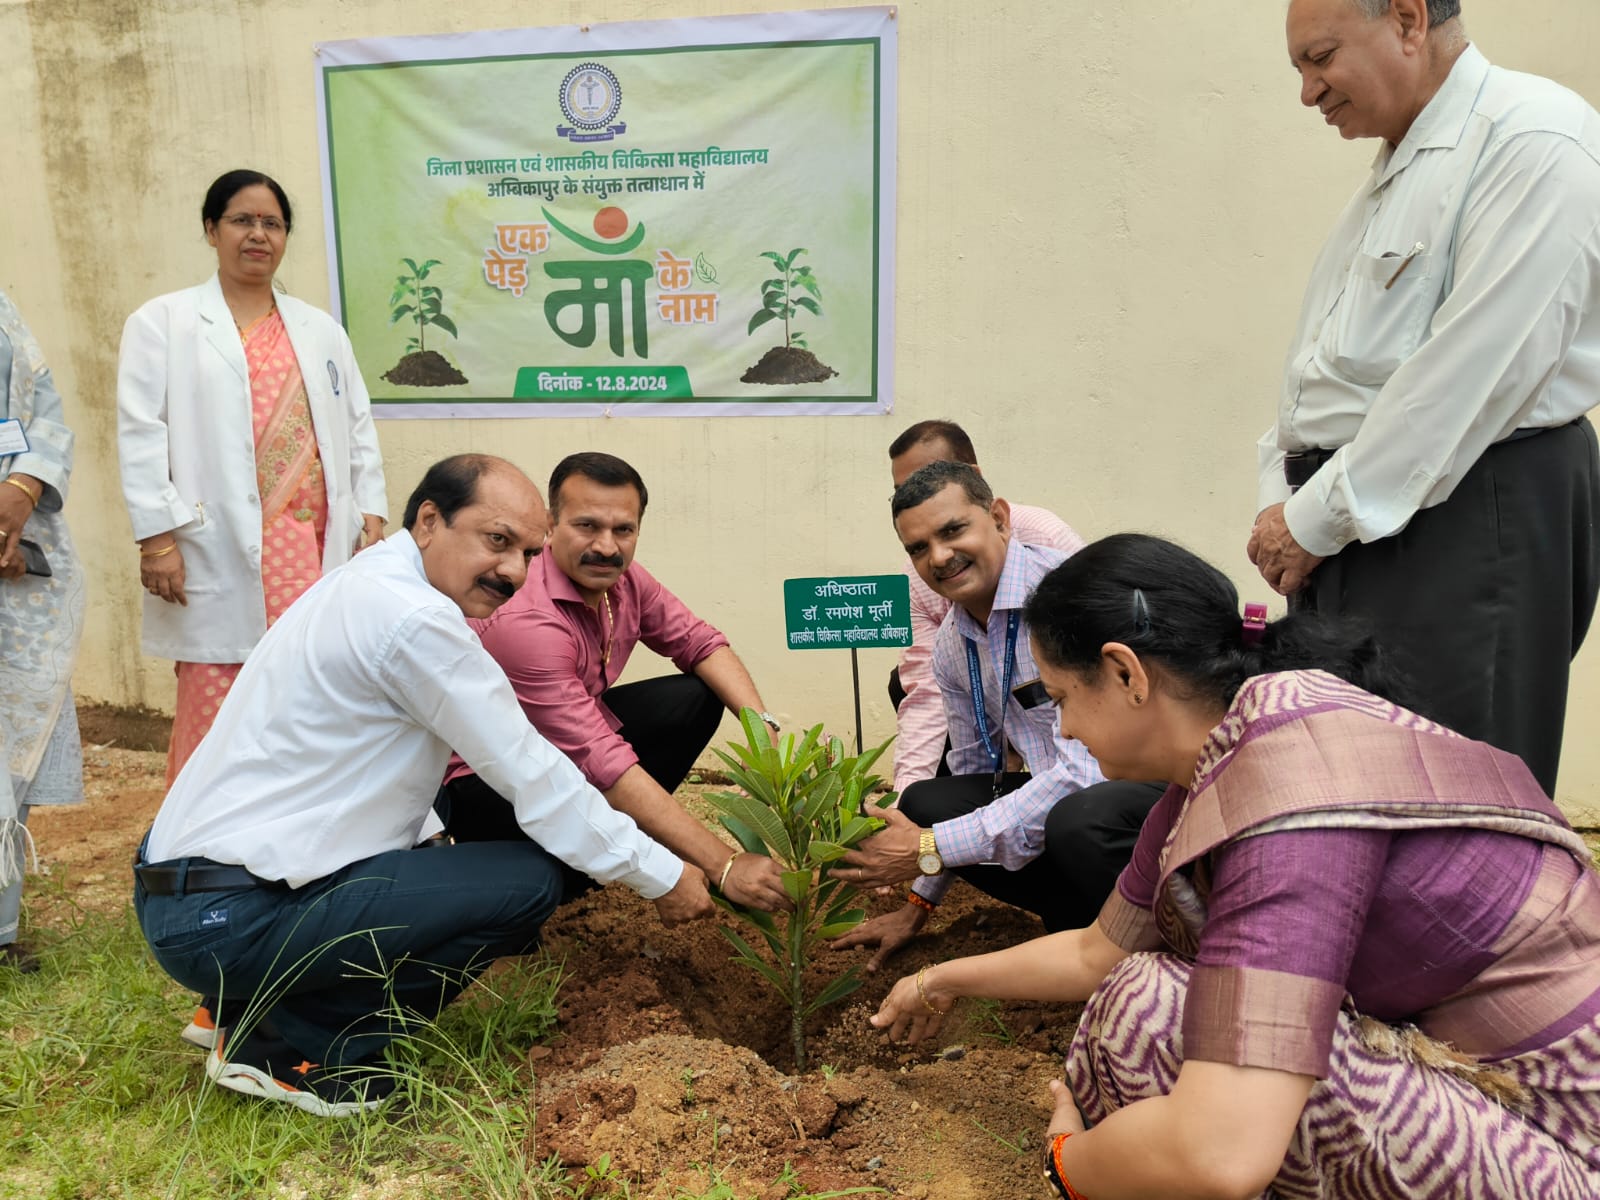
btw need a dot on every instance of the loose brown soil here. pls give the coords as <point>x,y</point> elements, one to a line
<point>788,364</point>
<point>668,1056</point>
<point>424,368</point>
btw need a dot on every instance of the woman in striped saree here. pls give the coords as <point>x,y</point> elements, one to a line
<point>1354,955</point>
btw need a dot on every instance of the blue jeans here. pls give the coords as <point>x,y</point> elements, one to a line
<point>336,966</point>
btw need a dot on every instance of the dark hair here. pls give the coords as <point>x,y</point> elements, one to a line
<point>226,187</point>
<point>452,484</point>
<point>948,432</point>
<point>605,469</point>
<point>1172,608</point>
<point>927,482</point>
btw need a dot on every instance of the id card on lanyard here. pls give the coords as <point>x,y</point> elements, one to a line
<point>995,743</point>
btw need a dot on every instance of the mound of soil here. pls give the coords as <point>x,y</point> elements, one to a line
<point>424,368</point>
<point>788,364</point>
<point>130,727</point>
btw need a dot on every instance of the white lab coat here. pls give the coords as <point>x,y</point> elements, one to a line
<point>187,450</point>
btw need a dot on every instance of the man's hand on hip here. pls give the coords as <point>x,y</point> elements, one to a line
<point>1282,561</point>
<point>689,899</point>
<point>887,857</point>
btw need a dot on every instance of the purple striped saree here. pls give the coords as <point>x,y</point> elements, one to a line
<point>1351,892</point>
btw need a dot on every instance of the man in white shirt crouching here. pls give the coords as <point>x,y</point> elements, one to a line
<point>280,872</point>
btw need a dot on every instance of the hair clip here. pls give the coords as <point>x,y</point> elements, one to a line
<point>1255,623</point>
<point>1141,614</point>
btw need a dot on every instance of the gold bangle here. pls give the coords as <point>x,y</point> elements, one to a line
<point>722,882</point>
<point>167,549</point>
<point>23,488</point>
<point>922,994</point>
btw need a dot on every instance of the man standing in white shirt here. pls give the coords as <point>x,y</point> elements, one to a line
<point>1431,470</point>
<point>280,871</point>
<point>921,734</point>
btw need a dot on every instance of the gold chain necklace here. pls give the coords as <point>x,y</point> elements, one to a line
<point>246,330</point>
<point>611,633</point>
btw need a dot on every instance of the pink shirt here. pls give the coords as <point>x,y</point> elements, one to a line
<point>551,646</point>
<point>919,724</point>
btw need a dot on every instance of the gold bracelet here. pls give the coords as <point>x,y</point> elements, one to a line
<point>722,883</point>
<point>167,549</point>
<point>922,993</point>
<point>23,488</point>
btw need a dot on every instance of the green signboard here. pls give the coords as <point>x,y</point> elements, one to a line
<point>847,612</point>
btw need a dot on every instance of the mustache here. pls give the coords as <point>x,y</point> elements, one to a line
<point>504,587</point>
<point>956,565</point>
<point>601,560</point>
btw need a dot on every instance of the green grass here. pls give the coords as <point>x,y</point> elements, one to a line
<point>99,1098</point>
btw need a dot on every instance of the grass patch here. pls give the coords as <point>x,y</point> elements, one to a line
<point>99,1097</point>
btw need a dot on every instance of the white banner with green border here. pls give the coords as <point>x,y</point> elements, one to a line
<point>690,217</point>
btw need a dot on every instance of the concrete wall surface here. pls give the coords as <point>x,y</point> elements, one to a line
<point>1107,213</point>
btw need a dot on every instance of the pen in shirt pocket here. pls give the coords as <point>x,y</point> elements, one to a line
<point>1404,263</point>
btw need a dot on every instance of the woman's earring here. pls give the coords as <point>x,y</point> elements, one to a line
<point>1137,698</point>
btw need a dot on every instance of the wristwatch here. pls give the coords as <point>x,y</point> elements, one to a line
<point>771,722</point>
<point>928,860</point>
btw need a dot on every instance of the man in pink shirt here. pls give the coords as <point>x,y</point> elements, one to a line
<point>565,638</point>
<point>921,737</point>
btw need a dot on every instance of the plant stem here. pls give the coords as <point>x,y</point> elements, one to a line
<point>797,1024</point>
<point>422,325</point>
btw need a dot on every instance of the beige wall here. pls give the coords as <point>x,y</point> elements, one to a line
<point>1107,212</point>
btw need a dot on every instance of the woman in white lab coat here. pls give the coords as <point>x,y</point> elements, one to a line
<point>249,460</point>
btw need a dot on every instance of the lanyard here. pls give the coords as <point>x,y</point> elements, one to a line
<point>995,744</point>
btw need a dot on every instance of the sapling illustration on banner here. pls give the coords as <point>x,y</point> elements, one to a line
<point>803,803</point>
<point>782,300</point>
<point>422,304</point>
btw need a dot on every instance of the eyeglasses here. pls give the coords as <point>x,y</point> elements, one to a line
<point>242,221</point>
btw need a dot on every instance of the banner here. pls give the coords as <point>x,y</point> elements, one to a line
<point>688,217</point>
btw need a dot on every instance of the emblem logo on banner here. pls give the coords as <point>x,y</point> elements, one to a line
<point>590,98</point>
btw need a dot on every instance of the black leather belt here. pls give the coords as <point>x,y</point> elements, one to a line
<point>197,875</point>
<point>1300,466</point>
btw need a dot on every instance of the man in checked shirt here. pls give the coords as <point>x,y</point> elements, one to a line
<point>1051,839</point>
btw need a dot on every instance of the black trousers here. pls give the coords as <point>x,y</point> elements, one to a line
<point>668,721</point>
<point>1088,839</point>
<point>1484,600</point>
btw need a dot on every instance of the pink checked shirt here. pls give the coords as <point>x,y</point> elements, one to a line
<point>920,727</point>
<point>550,645</point>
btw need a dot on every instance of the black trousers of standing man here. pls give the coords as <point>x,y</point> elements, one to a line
<point>1088,839</point>
<point>668,721</point>
<point>1484,600</point>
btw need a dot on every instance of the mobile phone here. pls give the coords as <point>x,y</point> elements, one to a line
<point>33,559</point>
<point>1031,694</point>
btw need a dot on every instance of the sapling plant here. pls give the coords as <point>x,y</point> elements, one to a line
<point>421,302</point>
<point>781,298</point>
<point>803,803</point>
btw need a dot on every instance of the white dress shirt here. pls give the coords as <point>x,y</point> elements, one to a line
<point>330,747</point>
<point>1492,326</point>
